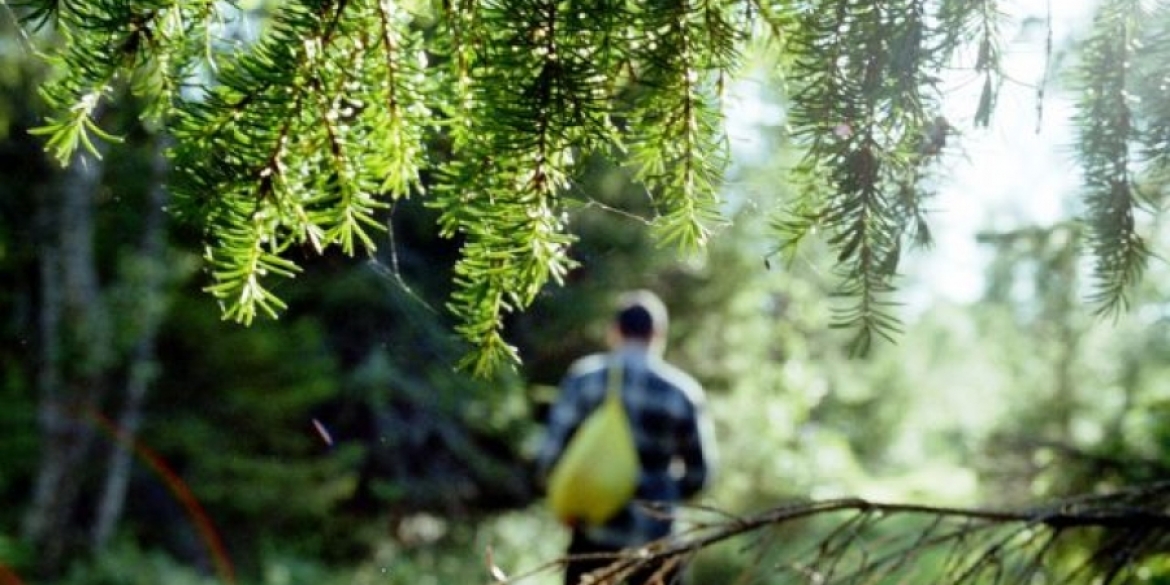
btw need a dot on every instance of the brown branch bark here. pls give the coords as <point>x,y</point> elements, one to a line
<point>981,545</point>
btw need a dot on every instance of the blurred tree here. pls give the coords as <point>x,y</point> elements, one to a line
<point>1087,400</point>
<point>22,167</point>
<point>97,302</point>
<point>143,296</point>
<point>75,354</point>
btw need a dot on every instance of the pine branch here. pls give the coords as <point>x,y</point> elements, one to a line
<point>400,129</point>
<point>538,85</point>
<point>302,138</point>
<point>1106,130</point>
<point>239,273</point>
<point>150,43</point>
<point>865,112</point>
<point>676,142</point>
<point>777,18</point>
<point>1150,70</point>
<point>306,134</point>
<point>964,23</point>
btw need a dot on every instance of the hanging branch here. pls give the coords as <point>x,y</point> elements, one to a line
<point>298,141</point>
<point>865,110</point>
<point>1149,77</point>
<point>302,141</point>
<point>975,24</point>
<point>152,44</point>
<point>682,51</point>
<point>1105,121</point>
<point>251,192</point>
<point>533,100</point>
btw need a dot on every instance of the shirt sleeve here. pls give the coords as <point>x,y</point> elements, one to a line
<point>696,449</point>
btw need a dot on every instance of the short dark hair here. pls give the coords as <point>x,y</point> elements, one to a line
<point>640,315</point>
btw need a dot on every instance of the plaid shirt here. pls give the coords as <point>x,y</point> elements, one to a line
<point>670,426</point>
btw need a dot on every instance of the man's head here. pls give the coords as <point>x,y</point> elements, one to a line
<point>641,318</point>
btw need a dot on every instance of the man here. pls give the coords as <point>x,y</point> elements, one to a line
<point>672,433</point>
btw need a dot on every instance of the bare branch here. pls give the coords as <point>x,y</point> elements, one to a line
<point>1099,538</point>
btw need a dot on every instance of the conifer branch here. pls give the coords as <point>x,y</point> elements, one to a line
<point>777,18</point>
<point>304,136</point>
<point>267,144</point>
<point>534,103</point>
<point>966,24</point>
<point>1106,127</point>
<point>1149,84</point>
<point>400,130</point>
<point>239,274</point>
<point>865,111</point>
<point>676,140</point>
<point>149,43</point>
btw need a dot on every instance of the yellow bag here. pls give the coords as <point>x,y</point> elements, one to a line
<point>598,472</point>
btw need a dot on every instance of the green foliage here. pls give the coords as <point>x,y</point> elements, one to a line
<point>294,143</point>
<point>291,145</point>
<point>126,564</point>
<point>676,140</point>
<point>301,138</point>
<point>251,451</point>
<point>494,116</point>
<point>150,44</point>
<point>965,25</point>
<point>865,107</point>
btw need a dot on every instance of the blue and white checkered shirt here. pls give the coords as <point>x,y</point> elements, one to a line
<point>671,428</point>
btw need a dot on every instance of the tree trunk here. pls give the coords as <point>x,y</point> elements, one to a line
<point>148,289</point>
<point>75,350</point>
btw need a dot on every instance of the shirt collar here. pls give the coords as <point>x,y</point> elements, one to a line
<point>636,352</point>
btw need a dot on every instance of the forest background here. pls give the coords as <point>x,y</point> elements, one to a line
<point>341,444</point>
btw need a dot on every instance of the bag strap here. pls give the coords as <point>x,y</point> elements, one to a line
<point>614,378</point>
